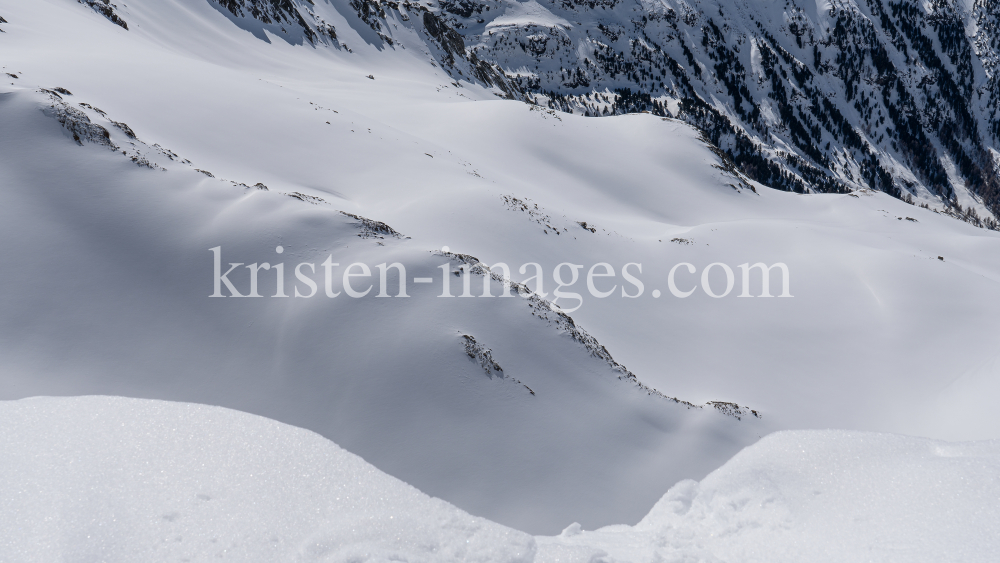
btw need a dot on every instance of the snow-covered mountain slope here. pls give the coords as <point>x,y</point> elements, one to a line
<point>111,479</point>
<point>127,237</point>
<point>900,97</point>
<point>166,131</point>
<point>395,379</point>
<point>804,96</point>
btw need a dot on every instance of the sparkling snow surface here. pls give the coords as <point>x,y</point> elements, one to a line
<point>117,480</point>
<point>818,496</point>
<point>125,480</point>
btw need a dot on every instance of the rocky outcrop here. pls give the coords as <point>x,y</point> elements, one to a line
<point>106,9</point>
<point>867,94</point>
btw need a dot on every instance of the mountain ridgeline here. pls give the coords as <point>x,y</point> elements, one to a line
<point>879,95</point>
<point>896,96</point>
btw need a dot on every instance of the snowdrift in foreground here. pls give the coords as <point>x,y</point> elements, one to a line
<point>818,496</point>
<point>112,479</point>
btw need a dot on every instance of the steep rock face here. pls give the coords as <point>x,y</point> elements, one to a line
<point>278,16</point>
<point>106,9</point>
<point>874,94</point>
<point>298,21</point>
<point>854,94</point>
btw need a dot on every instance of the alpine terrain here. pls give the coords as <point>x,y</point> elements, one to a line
<point>546,261</point>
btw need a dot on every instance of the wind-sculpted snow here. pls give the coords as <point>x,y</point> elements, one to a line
<point>280,153</point>
<point>822,496</point>
<point>124,480</point>
<point>390,379</point>
<point>544,310</point>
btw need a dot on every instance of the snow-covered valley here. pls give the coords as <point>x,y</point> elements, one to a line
<point>129,152</point>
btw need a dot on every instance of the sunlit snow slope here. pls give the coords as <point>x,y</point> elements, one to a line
<point>112,479</point>
<point>108,270</point>
<point>822,496</point>
<point>122,480</point>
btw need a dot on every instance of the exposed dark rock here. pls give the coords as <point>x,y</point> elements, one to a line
<point>125,129</point>
<point>272,12</point>
<point>484,357</point>
<point>77,122</point>
<point>543,310</point>
<point>733,410</point>
<point>90,107</point>
<point>868,96</point>
<point>372,14</point>
<point>373,229</point>
<point>106,9</point>
<point>449,39</point>
<point>535,213</point>
<point>306,198</point>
